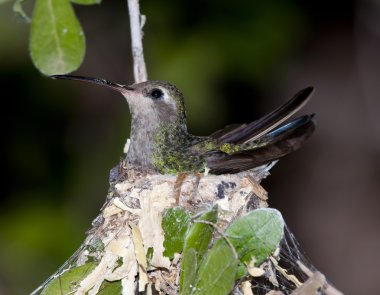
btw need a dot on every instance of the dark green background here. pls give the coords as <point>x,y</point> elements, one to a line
<point>235,61</point>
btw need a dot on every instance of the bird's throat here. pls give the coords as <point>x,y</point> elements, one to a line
<point>155,147</point>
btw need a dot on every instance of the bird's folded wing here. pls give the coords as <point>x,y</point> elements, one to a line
<point>274,145</point>
<point>245,133</point>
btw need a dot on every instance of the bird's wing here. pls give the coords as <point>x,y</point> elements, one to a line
<point>229,129</point>
<point>246,133</point>
<point>276,144</point>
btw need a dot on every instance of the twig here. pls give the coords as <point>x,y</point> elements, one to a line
<point>315,282</point>
<point>17,8</point>
<point>136,20</point>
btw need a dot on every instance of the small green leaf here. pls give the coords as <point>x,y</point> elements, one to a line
<point>149,255</point>
<point>69,280</point>
<point>57,43</point>
<point>110,288</point>
<point>256,235</point>
<point>86,2</point>
<point>241,271</point>
<point>196,244</point>
<point>217,271</point>
<point>175,223</point>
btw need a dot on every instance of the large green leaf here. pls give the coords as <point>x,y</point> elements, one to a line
<point>256,235</point>
<point>217,272</point>
<point>175,223</point>
<point>196,245</point>
<point>252,237</point>
<point>86,2</point>
<point>69,280</point>
<point>57,43</point>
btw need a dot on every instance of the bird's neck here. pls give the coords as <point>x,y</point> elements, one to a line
<point>147,141</point>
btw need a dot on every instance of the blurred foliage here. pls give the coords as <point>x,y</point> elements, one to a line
<point>61,138</point>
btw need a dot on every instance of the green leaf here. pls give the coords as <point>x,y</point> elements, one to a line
<point>196,245</point>
<point>188,271</point>
<point>69,280</point>
<point>217,271</point>
<point>149,255</point>
<point>110,288</point>
<point>86,2</point>
<point>200,234</point>
<point>57,43</point>
<point>241,271</point>
<point>256,235</point>
<point>175,223</point>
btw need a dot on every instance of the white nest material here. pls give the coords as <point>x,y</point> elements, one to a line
<point>129,223</point>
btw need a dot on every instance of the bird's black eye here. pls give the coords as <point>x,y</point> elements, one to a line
<point>156,93</point>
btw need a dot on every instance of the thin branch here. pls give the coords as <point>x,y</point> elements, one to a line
<point>136,20</point>
<point>18,9</point>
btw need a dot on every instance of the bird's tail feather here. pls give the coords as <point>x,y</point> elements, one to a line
<point>274,145</point>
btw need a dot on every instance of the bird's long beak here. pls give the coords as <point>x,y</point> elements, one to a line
<point>118,87</point>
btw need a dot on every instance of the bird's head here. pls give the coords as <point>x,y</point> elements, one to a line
<point>153,102</point>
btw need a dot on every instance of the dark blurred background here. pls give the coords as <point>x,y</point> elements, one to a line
<point>235,61</point>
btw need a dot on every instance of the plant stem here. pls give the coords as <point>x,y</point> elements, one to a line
<point>139,68</point>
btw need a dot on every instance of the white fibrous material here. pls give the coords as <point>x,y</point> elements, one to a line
<point>129,226</point>
<point>136,202</point>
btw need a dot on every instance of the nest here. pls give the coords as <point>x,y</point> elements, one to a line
<point>129,224</point>
<point>125,248</point>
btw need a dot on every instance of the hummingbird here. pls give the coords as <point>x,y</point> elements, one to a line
<point>159,139</point>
